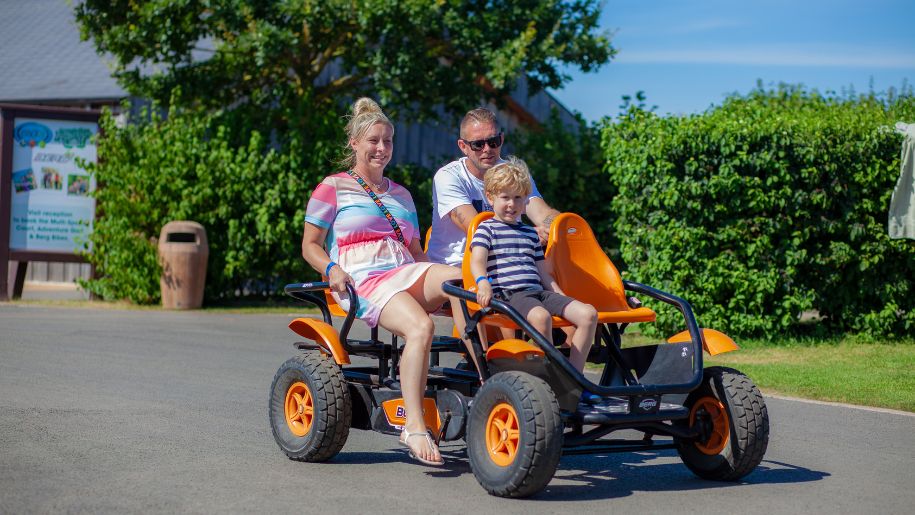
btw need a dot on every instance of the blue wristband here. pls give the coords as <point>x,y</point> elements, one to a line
<point>483,277</point>
<point>329,266</point>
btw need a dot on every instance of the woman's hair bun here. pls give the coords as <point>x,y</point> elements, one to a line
<point>365,105</point>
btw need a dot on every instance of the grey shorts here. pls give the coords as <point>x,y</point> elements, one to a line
<point>526,300</point>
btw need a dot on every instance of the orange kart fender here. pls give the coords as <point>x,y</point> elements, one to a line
<point>514,349</point>
<point>714,342</point>
<point>324,335</point>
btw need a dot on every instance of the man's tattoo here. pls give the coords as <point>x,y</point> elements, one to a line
<point>548,221</point>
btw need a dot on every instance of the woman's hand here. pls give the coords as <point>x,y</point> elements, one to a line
<point>314,253</point>
<point>338,279</point>
<point>484,293</point>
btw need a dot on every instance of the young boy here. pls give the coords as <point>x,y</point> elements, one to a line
<point>507,262</point>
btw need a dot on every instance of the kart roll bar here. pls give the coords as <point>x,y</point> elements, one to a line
<point>452,288</point>
<point>302,291</point>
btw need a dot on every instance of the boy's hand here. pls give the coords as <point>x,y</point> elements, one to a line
<point>484,293</point>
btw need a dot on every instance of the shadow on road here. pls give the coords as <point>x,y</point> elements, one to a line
<point>611,476</point>
<point>607,476</point>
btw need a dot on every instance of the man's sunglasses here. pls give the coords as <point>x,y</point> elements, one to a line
<point>477,144</point>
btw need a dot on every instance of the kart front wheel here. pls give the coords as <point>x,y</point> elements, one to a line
<point>731,415</point>
<point>514,434</point>
<point>310,408</point>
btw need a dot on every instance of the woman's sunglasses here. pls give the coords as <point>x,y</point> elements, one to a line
<point>477,144</point>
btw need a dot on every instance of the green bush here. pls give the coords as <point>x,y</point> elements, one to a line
<point>214,169</point>
<point>766,207</point>
<point>250,198</point>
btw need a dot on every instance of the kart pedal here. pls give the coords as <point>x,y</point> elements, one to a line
<point>443,429</point>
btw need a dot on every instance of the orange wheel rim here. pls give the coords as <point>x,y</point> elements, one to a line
<point>502,434</point>
<point>721,426</point>
<point>300,409</point>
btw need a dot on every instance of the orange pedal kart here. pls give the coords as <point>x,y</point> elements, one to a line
<point>521,411</point>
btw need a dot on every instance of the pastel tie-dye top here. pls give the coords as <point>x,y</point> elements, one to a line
<point>359,238</point>
<point>340,205</point>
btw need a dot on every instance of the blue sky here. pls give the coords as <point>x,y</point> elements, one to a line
<point>688,55</point>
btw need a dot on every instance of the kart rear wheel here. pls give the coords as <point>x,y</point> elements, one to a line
<point>310,408</point>
<point>514,434</point>
<point>733,414</point>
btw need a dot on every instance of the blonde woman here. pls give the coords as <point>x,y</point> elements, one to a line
<point>369,228</point>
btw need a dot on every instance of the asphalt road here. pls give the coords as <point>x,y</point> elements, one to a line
<point>115,411</point>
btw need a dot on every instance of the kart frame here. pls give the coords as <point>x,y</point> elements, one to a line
<point>521,410</point>
<point>367,382</point>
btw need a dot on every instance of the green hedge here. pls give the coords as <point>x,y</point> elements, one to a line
<point>766,207</point>
<point>250,198</point>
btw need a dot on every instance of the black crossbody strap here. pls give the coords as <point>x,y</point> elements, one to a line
<point>387,214</point>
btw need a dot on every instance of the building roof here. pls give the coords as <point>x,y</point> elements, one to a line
<point>42,59</point>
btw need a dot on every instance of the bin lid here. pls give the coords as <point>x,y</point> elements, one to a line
<point>183,232</point>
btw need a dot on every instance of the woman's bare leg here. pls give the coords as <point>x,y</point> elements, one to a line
<point>429,293</point>
<point>405,317</point>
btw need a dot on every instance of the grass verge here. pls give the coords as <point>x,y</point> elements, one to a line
<point>850,369</point>
<point>880,374</point>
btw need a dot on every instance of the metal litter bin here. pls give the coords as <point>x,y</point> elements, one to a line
<point>183,252</point>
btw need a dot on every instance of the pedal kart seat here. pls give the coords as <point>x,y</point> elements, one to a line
<point>585,273</point>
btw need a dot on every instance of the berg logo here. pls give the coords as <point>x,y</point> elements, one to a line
<point>647,404</point>
<point>31,134</point>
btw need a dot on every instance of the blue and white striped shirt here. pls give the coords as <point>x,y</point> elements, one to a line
<point>514,250</point>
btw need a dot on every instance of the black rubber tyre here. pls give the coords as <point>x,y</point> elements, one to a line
<point>318,429</point>
<point>740,426</point>
<point>519,415</point>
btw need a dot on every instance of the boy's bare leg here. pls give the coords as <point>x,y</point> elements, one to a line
<point>542,321</point>
<point>570,332</point>
<point>584,316</point>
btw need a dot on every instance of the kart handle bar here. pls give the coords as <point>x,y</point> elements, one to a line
<point>302,291</point>
<point>452,288</point>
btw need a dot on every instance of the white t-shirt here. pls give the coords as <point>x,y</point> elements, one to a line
<point>455,186</point>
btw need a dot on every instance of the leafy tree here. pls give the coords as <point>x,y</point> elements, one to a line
<point>285,59</point>
<point>637,103</point>
<point>254,90</point>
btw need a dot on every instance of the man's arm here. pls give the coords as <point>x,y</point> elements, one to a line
<point>462,215</point>
<point>541,215</point>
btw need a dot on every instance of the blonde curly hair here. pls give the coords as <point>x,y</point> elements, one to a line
<point>365,113</point>
<point>511,175</point>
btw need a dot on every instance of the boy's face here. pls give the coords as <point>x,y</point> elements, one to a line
<point>508,206</point>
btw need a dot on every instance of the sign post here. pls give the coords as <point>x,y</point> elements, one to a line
<point>46,213</point>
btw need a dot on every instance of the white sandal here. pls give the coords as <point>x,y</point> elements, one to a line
<point>406,436</point>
